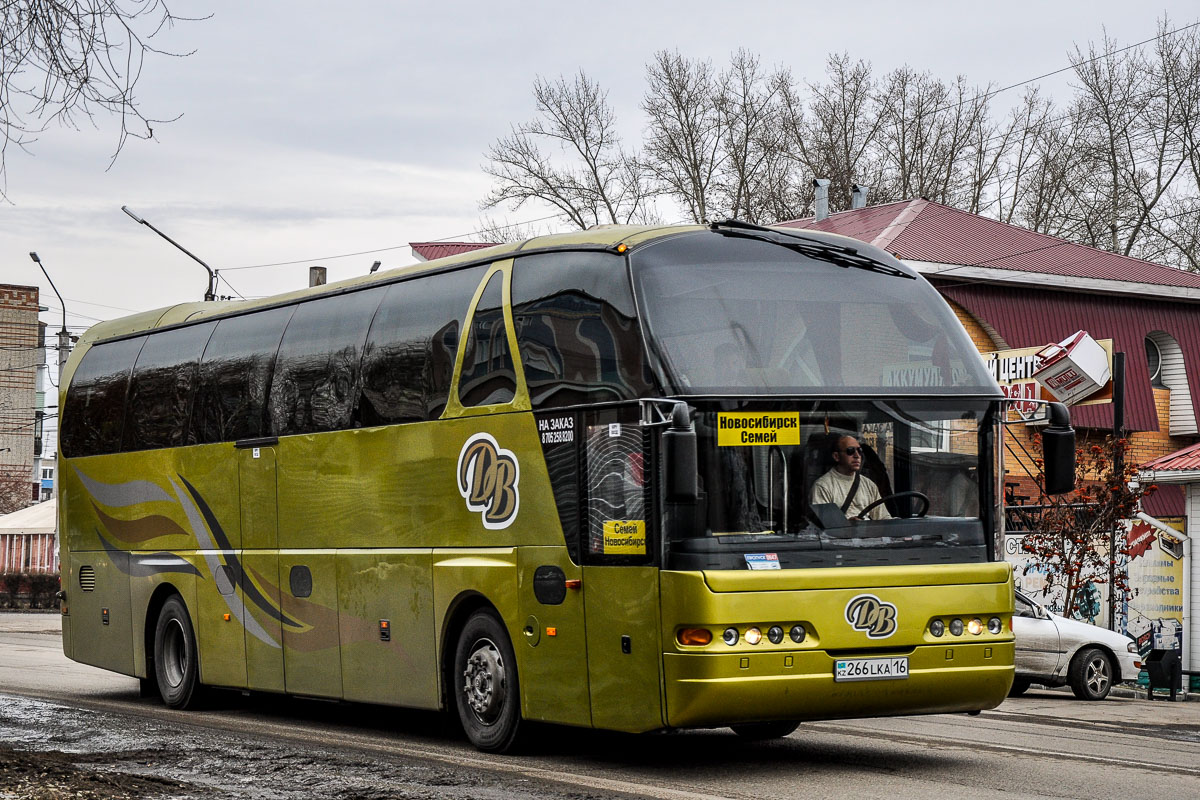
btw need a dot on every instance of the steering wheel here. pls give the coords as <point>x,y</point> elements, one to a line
<point>920,496</point>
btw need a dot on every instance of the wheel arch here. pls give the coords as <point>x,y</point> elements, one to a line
<point>158,599</point>
<point>459,611</point>
<point>1113,661</point>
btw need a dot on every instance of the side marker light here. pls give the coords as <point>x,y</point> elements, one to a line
<point>694,637</point>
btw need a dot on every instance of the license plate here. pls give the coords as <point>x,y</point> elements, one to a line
<point>870,669</point>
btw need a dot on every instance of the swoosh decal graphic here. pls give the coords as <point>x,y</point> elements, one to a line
<point>245,584</point>
<point>139,530</point>
<point>147,565</point>
<point>120,495</point>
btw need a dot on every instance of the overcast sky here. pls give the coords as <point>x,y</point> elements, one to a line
<point>311,130</point>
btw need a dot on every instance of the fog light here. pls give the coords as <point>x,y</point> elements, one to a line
<point>730,636</point>
<point>956,627</point>
<point>775,634</point>
<point>995,625</point>
<point>694,637</point>
<point>975,626</point>
<point>797,633</point>
<point>753,636</point>
<point>937,628</point>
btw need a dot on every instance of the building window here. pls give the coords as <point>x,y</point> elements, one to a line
<point>1154,362</point>
<point>47,473</point>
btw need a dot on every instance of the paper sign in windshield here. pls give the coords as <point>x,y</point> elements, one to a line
<point>625,537</point>
<point>762,560</point>
<point>743,428</point>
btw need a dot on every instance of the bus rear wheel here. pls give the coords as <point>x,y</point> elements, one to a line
<point>764,731</point>
<point>175,664</point>
<point>486,689</point>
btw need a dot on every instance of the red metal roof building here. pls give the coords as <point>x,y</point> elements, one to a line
<point>428,251</point>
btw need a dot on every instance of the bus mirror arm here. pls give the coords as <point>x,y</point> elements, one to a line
<point>1058,451</point>
<point>679,457</point>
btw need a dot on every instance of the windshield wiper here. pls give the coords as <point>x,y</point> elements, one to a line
<point>837,254</point>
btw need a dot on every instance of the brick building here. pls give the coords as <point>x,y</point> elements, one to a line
<point>21,354</point>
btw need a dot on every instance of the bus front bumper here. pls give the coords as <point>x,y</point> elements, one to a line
<point>710,689</point>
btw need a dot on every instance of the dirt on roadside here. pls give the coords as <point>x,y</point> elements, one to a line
<point>52,775</point>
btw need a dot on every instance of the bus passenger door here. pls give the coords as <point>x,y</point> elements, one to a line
<point>260,566</point>
<point>553,646</point>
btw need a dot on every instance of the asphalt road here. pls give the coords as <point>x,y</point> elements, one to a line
<point>1045,744</point>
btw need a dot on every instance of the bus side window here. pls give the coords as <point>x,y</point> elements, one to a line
<point>315,384</point>
<point>488,376</point>
<point>235,374</point>
<point>161,389</point>
<point>96,399</point>
<point>408,359</point>
<point>577,330</point>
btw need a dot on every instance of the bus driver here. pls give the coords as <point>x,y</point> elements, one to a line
<point>845,486</point>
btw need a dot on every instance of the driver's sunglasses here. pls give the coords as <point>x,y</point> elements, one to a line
<point>853,451</point>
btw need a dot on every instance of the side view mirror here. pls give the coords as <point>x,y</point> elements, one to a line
<point>680,462</point>
<point>1058,451</point>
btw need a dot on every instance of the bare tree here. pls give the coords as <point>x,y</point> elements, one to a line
<point>69,62</point>
<point>927,133</point>
<point>599,183</point>
<point>836,136</point>
<point>685,134</point>
<point>751,117</point>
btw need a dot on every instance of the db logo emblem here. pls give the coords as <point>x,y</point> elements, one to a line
<point>487,479</point>
<point>871,615</point>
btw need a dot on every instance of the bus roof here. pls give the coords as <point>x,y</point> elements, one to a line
<point>598,236</point>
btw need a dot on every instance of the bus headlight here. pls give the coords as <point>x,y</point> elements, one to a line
<point>937,628</point>
<point>775,634</point>
<point>995,625</point>
<point>975,626</point>
<point>753,636</point>
<point>797,633</point>
<point>730,636</point>
<point>956,627</point>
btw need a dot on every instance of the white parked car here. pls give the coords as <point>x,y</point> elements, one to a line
<point>1056,651</point>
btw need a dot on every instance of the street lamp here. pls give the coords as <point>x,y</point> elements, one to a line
<point>64,338</point>
<point>211,294</point>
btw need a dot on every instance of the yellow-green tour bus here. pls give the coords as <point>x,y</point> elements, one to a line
<point>571,480</point>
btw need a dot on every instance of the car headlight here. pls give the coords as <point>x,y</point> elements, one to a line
<point>1132,647</point>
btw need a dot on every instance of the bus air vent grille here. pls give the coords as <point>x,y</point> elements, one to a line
<point>87,578</point>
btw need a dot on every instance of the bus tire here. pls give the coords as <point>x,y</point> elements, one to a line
<point>176,666</point>
<point>764,731</point>
<point>1020,686</point>
<point>486,689</point>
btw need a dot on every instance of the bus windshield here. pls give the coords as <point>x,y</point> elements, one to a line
<point>775,478</point>
<point>744,316</point>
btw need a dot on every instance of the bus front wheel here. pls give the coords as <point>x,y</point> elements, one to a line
<point>175,664</point>
<point>486,688</point>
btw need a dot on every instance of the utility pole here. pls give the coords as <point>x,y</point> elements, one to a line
<point>64,338</point>
<point>1118,433</point>
<point>211,293</point>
